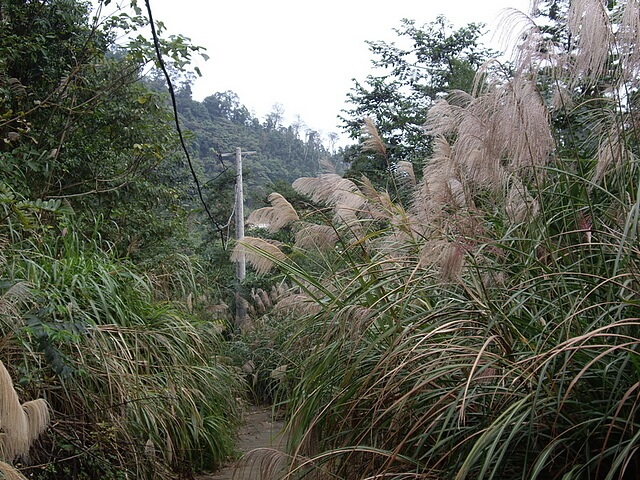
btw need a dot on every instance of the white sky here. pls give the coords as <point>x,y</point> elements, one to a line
<point>302,54</point>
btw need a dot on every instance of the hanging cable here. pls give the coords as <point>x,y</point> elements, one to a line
<point>156,44</point>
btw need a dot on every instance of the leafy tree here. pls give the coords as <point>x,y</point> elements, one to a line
<point>78,125</point>
<point>227,105</point>
<point>435,60</point>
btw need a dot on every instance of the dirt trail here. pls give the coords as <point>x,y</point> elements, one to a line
<point>260,431</point>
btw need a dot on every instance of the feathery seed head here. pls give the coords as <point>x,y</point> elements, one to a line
<point>371,140</point>
<point>260,253</point>
<point>278,215</point>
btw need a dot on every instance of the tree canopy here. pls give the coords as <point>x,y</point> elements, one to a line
<point>423,65</point>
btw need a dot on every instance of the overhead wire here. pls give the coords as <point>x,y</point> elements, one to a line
<point>156,44</point>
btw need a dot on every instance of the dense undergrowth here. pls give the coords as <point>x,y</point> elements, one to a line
<point>490,329</point>
<point>138,385</point>
<point>485,327</point>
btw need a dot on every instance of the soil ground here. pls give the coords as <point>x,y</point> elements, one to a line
<point>260,442</point>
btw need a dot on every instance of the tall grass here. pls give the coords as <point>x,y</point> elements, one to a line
<point>138,387</point>
<point>492,329</point>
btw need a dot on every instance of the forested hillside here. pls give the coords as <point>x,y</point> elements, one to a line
<point>220,123</point>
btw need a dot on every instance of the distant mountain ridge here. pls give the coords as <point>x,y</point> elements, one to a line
<point>220,123</point>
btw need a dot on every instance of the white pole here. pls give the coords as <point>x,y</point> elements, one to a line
<point>241,266</point>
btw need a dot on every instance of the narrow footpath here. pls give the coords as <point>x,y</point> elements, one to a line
<point>260,443</point>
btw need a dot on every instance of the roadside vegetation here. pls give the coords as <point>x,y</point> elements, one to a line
<point>105,318</point>
<point>487,327</point>
<point>462,303</point>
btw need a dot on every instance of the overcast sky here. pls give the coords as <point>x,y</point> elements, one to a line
<point>302,54</point>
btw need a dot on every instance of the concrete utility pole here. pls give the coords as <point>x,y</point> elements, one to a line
<point>241,268</point>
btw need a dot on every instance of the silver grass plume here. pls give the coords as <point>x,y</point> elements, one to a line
<point>441,188</point>
<point>354,319</point>
<point>261,300</point>
<point>628,38</point>
<point>320,189</point>
<point>347,197</point>
<point>340,193</point>
<point>296,305</point>
<point>278,291</point>
<point>327,165</point>
<point>7,472</point>
<point>404,231</point>
<point>258,305</point>
<point>562,100</point>
<point>379,205</point>
<point>532,47</point>
<point>519,204</point>
<point>371,140</point>
<point>150,448</point>
<point>330,189</point>
<point>451,261</point>
<point>596,34</point>
<point>448,258</point>
<point>18,293</point>
<point>611,153</point>
<point>21,424</point>
<point>404,174</point>
<point>264,296</point>
<point>499,132</point>
<point>591,30</point>
<point>319,237</point>
<point>260,253</point>
<point>278,215</point>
